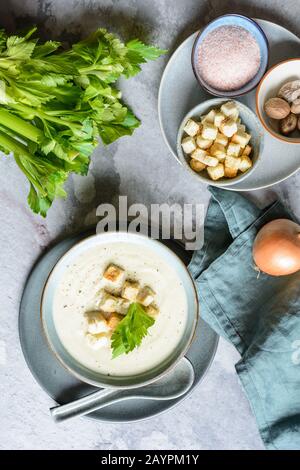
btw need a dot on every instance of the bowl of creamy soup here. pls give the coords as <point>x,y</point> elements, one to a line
<point>119,310</point>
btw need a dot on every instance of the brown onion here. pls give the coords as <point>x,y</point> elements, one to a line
<point>276,248</point>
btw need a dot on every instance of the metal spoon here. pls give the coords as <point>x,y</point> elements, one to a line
<point>173,385</point>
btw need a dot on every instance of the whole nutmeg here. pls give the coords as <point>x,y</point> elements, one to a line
<point>295,108</point>
<point>290,91</point>
<point>288,124</point>
<point>277,108</point>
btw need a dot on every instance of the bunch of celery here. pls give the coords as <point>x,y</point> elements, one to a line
<point>55,103</point>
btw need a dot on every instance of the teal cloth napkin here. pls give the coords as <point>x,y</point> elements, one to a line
<point>258,314</point>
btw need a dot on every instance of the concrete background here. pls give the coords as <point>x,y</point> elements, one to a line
<point>217,415</point>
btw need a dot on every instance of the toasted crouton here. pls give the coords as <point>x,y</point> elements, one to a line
<point>152,310</point>
<point>203,157</point>
<point>209,131</point>
<point>219,118</point>
<point>107,302</point>
<point>122,306</point>
<point>233,149</point>
<point>230,172</point>
<point>113,321</point>
<point>146,296</point>
<point>241,138</point>
<point>130,290</point>
<point>113,273</point>
<point>191,127</point>
<point>221,139</point>
<point>210,117</point>
<point>218,150</point>
<point>113,278</point>
<point>95,322</point>
<point>188,144</point>
<point>232,162</point>
<point>230,110</point>
<point>210,161</point>
<point>203,143</point>
<point>241,127</point>
<point>216,172</point>
<point>245,164</point>
<point>110,303</point>
<point>198,154</point>
<point>196,165</point>
<point>247,150</point>
<point>228,127</point>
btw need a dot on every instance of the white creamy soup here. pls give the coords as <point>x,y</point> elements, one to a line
<point>78,292</point>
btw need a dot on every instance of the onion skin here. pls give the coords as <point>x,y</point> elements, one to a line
<point>276,248</point>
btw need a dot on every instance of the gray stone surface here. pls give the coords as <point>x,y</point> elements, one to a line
<point>217,415</point>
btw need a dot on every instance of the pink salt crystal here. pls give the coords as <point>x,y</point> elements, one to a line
<point>229,57</point>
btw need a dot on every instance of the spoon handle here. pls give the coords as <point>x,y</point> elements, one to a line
<point>85,405</point>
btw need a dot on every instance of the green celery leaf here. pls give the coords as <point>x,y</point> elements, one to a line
<point>48,146</point>
<point>19,48</point>
<point>84,148</point>
<point>37,203</point>
<point>46,180</point>
<point>79,165</point>
<point>131,120</point>
<point>44,50</point>
<point>112,132</point>
<point>144,51</point>
<point>131,330</point>
<point>138,53</point>
<point>3,39</point>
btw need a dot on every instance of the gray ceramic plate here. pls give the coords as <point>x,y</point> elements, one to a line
<point>59,383</point>
<point>179,92</point>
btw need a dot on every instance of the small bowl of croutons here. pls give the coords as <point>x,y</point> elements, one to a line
<point>220,141</point>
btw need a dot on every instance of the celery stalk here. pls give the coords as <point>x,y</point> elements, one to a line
<point>20,126</point>
<point>42,115</point>
<point>20,150</point>
<point>12,145</point>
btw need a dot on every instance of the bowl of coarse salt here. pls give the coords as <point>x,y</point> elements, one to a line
<point>230,56</point>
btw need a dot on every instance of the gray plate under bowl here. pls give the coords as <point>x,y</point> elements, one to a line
<point>57,381</point>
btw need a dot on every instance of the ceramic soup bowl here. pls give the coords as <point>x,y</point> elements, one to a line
<point>91,376</point>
